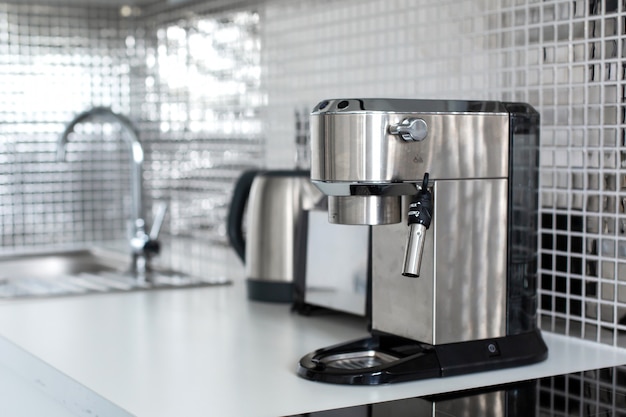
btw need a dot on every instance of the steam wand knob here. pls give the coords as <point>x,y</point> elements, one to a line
<point>419,217</point>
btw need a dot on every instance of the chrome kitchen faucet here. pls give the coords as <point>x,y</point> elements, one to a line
<point>143,245</point>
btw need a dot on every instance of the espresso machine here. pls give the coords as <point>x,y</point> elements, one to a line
<point>450,190</point>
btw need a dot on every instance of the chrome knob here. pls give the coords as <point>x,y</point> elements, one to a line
<point>410,129</point>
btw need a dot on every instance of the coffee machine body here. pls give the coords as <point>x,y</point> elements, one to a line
<point>455,291</point>
<point>461,293</point>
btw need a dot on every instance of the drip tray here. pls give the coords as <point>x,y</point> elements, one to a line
<point>356,360</point>
<point>370,361</point>
<point>385,358</point>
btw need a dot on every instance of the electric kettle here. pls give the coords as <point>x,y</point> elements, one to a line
<point>272,203</point>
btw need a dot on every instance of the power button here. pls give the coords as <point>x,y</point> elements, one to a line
<point>493,349</point>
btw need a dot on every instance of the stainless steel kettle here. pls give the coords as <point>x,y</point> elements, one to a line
<point>273,203</point>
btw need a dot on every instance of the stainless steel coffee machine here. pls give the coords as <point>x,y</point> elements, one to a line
<point>450,189</point>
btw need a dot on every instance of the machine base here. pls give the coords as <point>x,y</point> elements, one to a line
<point>271,291</point>
<point>383,359</point>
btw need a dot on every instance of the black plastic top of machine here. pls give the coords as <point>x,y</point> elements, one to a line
<point>399,105</point>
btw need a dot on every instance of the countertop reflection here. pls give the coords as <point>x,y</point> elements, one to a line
<point>599,392</point>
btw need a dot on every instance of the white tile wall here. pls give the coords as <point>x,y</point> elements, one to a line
<point>565,57</point>
<point>188,80</point>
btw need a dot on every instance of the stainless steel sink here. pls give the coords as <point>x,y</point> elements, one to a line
<point>82,272</point>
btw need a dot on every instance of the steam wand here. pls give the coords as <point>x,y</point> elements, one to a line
<point>419,218</point>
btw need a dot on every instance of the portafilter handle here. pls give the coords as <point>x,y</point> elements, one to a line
<point>419,218</point>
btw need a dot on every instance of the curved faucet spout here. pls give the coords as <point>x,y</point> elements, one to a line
<point>140,241</point>
<point>132,139</point>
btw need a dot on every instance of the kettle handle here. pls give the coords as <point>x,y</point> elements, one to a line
<point>235,214</point>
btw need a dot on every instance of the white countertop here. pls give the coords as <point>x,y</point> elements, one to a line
<point>209,351</point>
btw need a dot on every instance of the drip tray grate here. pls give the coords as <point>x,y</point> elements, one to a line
<point>357,360</point>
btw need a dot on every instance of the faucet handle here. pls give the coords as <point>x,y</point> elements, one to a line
<point>161,211</point>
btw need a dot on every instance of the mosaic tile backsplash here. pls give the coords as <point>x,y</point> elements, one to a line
<point>188,80</point>
<point>215,93</point>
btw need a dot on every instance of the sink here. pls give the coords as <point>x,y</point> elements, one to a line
<point>85,271</point>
